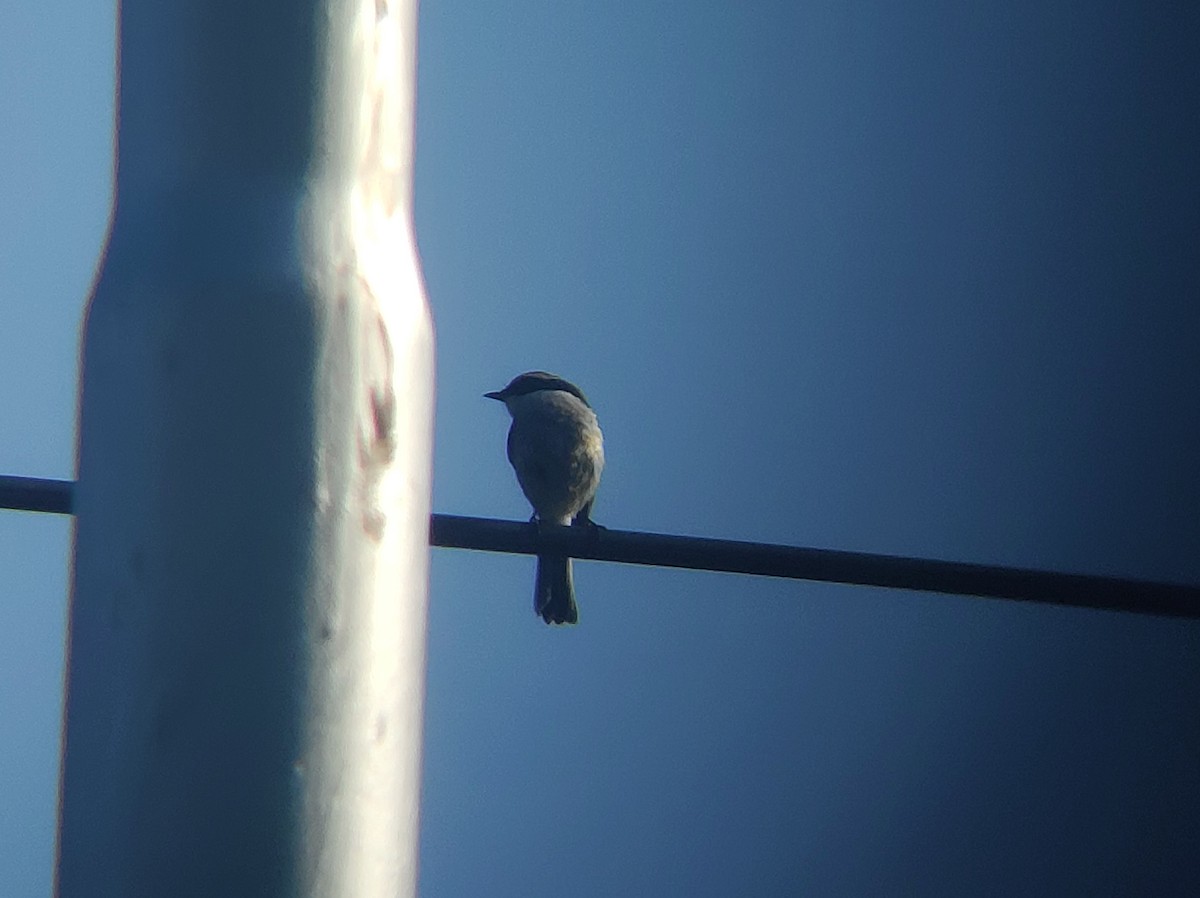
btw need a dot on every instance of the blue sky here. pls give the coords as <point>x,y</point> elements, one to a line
<point>914,278</point>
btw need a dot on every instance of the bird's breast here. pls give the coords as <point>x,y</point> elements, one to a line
<point>557,450</point>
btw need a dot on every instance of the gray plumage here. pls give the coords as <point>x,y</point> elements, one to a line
<point>557,450</point>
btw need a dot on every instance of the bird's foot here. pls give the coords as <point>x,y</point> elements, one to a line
<point>592,529</point>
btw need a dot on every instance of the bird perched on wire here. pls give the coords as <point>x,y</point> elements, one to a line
<point>557,450</point>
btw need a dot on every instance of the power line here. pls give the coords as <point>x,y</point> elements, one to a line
<point>35,494</point>
<point>731,556</point>
<point>828,565</point>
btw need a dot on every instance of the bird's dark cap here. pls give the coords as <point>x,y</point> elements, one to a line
<point>533,381</point>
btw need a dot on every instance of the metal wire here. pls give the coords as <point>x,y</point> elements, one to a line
<point>828,565</point>
<point>35,494</point>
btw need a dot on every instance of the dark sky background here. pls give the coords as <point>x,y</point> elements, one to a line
<point>914,278</point>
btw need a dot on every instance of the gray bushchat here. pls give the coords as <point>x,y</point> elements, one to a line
<point>557,450</point>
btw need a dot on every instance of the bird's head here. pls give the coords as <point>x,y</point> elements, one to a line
<point>533,382</point>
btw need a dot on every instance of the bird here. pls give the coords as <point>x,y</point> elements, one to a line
<point>557,451</point>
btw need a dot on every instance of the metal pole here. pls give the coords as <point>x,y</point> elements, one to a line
<point>247,621</point>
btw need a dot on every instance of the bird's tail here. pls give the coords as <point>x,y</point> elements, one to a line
<point>554,590</point>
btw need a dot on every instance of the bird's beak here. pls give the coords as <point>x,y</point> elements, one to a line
<point>496,396</point>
